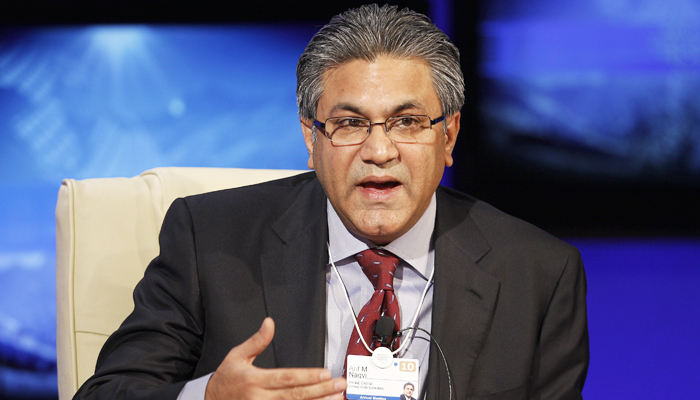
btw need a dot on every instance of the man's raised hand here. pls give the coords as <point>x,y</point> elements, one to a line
<point>238,379</point>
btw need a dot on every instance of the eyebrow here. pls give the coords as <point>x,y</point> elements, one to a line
<point>347,107</point>
<point>357,110</point>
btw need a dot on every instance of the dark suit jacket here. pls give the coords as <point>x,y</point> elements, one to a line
<point>509,308</point>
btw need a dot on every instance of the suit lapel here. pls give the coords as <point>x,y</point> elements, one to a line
<point>293,264</point>
<point>464,297</point>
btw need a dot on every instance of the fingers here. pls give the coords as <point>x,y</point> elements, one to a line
<point>237,378</point>
<point>251,382</point>
<point>281,378</point>
<point>255,344</point>
<point>301,383</point>
<point>322,390</point>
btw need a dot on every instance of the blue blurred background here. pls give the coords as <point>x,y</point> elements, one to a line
<point>581,117</point>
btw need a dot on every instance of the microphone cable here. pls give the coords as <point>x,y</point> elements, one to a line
<point>442,354</point>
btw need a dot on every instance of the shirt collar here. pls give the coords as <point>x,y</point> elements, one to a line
<point>413,247</point>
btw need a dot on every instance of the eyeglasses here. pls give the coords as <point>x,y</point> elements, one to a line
<point>355,130</point>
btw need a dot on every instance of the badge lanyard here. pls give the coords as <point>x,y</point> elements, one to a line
<point>357,326</point>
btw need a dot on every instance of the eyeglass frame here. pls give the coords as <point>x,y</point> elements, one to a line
<point>322,126</point>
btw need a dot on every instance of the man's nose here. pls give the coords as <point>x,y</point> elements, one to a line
<point>378,148</point>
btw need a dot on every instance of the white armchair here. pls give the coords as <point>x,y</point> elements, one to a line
<point>106,234</point>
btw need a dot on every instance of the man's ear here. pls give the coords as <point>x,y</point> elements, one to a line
<point>307,130</point>
<point>451,137</point>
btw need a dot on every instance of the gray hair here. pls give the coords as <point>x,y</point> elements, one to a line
<point>371,31</point>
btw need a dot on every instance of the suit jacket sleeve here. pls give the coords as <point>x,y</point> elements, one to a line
<point>155,351</point>
<point>561,369</point>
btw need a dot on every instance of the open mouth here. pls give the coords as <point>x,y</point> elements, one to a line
<point>380,185</point>
<point>375,190</point>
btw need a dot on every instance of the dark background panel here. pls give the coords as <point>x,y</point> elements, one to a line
<point>563,131</point>
<point>33,12</point>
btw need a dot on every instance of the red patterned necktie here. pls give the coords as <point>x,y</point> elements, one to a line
<point>379,267</point>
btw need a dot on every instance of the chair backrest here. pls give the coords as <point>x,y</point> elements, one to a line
<point>106,234</point>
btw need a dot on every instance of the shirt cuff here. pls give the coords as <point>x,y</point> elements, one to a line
<point>195,389</point>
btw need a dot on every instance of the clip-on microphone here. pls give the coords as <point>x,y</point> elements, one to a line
<point>384,329</point>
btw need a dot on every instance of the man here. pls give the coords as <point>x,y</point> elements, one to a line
<point>407,392</point>
<point>379,93</point>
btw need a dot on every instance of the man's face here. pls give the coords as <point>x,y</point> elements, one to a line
<point>408,391</point>
<point>380,188</point>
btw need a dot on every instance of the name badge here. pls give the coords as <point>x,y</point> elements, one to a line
<point>367,381</point>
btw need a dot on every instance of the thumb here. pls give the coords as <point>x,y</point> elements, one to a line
<point>251,348</point>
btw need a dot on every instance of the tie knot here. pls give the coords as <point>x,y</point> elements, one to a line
<point>379,266</point>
